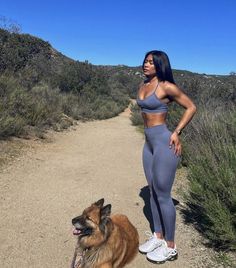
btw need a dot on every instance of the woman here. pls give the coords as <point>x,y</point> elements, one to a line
<point>162,150</point>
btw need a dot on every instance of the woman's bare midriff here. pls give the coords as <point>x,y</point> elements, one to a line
<point>153,119</point>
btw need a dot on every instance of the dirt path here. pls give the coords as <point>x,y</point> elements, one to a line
<point>53,182</point>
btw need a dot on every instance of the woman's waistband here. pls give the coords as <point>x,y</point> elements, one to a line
<point>156,128</point>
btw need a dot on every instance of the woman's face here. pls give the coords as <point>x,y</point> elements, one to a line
<point>148,66</point>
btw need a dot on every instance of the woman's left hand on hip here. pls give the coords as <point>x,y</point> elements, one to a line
<point>174,140</point>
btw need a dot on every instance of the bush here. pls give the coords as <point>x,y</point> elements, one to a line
<point>211,156</point>
<point>11,126</point>
<point>40,107</point>
<point>136,117</point>
<point>74,76</point>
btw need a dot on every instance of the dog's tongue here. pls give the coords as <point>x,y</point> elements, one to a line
<point>76,232</point>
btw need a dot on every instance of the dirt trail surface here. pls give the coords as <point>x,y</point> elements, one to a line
<point>52,182</point>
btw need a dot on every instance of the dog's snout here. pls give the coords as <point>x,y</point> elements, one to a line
<point>78,219</point>
<point>75,220</point>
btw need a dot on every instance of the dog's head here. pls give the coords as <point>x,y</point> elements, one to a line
<point>90,227</point>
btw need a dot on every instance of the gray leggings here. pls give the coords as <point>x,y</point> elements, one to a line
<point>160,164</point>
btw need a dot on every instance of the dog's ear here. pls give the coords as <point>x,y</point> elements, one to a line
<point>105,211</point>
<point>100,203</point>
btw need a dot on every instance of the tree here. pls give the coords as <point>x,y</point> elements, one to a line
<point>9,25</point>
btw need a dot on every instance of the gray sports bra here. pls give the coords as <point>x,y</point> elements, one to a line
<point>152,104</point>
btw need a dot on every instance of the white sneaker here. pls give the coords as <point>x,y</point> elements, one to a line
<point>152,243</point>
<point>162,254</point>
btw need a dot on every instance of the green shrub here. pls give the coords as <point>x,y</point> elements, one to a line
<point>11,126</point>
<point>136,117</point>
<point>40,107</point>
<point>211,156</point>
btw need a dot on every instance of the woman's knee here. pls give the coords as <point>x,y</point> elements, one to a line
<point>163,198</point>
<point>161,186</point>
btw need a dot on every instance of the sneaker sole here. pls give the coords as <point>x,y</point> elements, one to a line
<point>172,258</point>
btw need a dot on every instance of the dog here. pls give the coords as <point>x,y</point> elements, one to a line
<point>104,241</point>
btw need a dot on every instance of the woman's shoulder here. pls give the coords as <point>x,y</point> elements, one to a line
<point>168,85</point>
<point>170,89</point>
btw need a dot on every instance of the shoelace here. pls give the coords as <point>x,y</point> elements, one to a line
<point>171,252</point>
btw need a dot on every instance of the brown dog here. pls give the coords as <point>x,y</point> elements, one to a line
<point>104,241</point>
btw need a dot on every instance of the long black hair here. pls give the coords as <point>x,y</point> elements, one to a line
<point>162,65</point>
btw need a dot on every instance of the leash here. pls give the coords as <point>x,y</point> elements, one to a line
<point>73,262</point>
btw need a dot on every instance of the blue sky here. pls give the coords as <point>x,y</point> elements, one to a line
<point>198,36</point>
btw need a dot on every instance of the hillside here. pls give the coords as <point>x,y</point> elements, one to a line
<point>39,86</point>
<point>31,58</point>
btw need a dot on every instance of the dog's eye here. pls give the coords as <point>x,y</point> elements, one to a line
<point>89,218</point>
